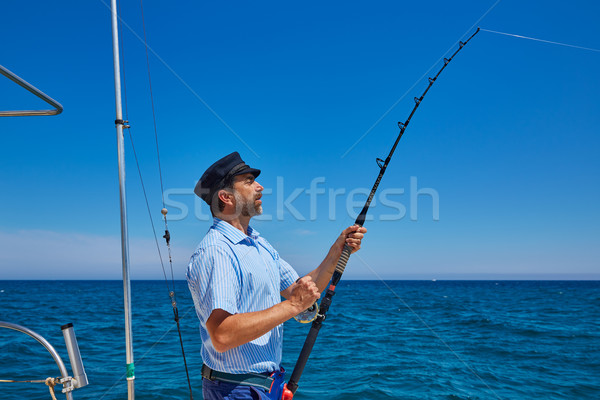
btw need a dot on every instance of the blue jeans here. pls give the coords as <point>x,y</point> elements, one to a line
<point>216,390</point>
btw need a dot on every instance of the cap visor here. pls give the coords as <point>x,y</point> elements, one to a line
<point>248,170</point>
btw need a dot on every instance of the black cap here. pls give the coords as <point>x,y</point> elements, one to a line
<point>218,173</point>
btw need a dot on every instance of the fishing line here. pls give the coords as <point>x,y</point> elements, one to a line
<point>385,114</point>
<point>542,40</point>
<point>428,327</point>
<point>321,312</point>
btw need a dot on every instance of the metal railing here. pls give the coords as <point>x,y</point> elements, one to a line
<point>58,108</point>
<point>69,383</point>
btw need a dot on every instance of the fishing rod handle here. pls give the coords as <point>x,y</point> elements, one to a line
<point>341,264</point>
<point>303,357</point>
<point>339,270</point>
<point>311,338</point>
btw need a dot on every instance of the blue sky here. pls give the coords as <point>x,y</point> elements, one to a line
<point>497,175</point>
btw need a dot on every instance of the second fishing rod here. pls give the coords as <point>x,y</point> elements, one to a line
<point>292,385</point>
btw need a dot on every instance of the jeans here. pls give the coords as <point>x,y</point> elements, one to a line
<point>216,390</point>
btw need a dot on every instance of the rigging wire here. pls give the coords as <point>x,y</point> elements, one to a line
<point>148,208</point>
<point>135,153</point>
<point>162,190</point>
<point>164,211</point>
<point>167,236</point>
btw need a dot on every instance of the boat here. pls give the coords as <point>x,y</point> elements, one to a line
<point>126,290</point>
<point>78,378</point>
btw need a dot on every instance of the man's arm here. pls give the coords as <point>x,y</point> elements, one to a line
<point>321,275</point>
<point>231,330</point>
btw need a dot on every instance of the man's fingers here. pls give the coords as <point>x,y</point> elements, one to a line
<point>305,281</point>
<point>357,236</point>
<point>306,292</point>
<point>354,230</point>
<point>353,242</point>
<point>354,235</point>
<point>308,285</point>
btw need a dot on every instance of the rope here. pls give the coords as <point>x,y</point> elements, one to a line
<point>51,382</point>
<point>28,381</point>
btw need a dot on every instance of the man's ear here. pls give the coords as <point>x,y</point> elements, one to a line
<point>225,196</point>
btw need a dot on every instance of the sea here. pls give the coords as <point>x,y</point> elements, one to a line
<point>446,340</point>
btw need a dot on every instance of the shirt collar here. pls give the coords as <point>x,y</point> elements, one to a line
<point>232,233</point>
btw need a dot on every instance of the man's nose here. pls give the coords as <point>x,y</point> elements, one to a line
<point>259,187</point>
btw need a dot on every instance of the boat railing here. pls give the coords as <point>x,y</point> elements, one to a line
<point>79,378</point>
<point>58,108</point>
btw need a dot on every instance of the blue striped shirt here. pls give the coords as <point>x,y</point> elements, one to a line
<point>238,273</point>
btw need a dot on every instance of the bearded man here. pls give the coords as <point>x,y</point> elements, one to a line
<point>237,280</point>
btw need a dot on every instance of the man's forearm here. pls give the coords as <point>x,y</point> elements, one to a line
<point>322,274</point>
<point>351,236</point>
<point>231,330</point>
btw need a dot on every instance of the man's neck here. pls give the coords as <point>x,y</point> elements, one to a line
<point>239,222</point>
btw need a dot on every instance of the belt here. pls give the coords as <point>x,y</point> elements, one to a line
<point>248,379</point>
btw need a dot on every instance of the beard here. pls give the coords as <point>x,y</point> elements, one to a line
<point>247,207</point>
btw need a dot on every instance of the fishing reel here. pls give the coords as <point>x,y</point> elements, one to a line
<point>308,315</point>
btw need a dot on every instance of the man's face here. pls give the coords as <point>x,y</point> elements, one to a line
<point>247,192</point>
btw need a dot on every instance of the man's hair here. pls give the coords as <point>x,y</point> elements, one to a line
<point>226,184</point>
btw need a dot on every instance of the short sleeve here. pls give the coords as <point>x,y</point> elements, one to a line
<point>213,281</point>
<point>287,273</point>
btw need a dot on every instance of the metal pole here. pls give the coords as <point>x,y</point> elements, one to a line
<point>124,238</point>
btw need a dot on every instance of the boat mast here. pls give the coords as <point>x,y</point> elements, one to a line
<point>124,238</point>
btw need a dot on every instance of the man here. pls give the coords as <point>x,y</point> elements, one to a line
<point>237,280</point>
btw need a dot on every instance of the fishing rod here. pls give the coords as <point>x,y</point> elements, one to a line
<point>292,385</point>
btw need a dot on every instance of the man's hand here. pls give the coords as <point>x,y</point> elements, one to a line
<point>231,330</point>
<point>352,236</point>
<point>304,293</point>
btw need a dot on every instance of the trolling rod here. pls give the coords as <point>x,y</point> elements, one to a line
<point>292,385</point>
